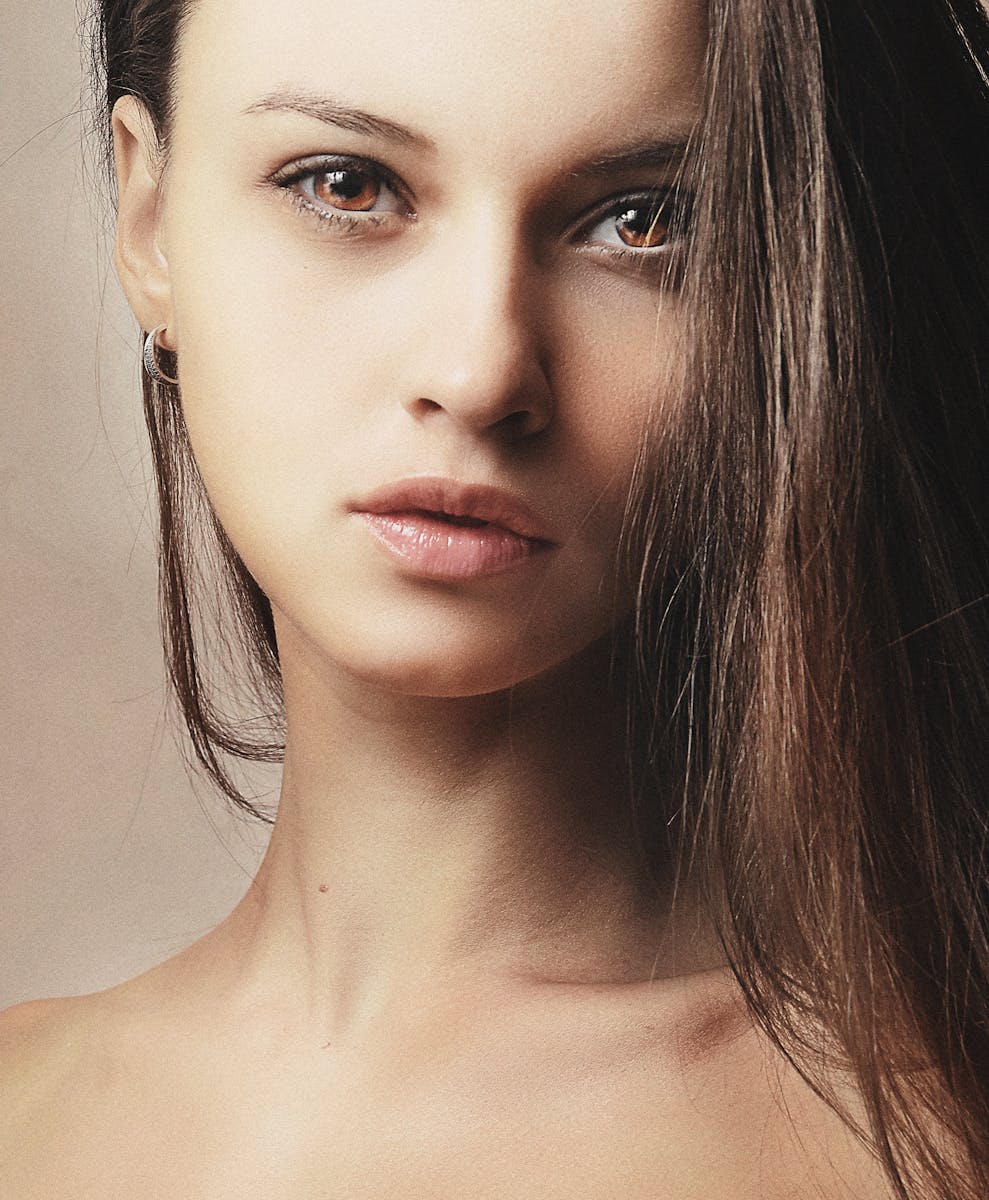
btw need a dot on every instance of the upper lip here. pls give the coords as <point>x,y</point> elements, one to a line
<point>450,497</point>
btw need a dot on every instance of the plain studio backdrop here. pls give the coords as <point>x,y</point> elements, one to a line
<point>111,859</point>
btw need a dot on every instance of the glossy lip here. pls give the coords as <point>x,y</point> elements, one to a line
<point>408,520</point>
<point>436,494</point>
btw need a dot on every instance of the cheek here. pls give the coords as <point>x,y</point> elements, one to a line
<point>626,374</point>
<point>280,372</point>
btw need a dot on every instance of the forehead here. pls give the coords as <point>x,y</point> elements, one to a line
<point>463,71</point>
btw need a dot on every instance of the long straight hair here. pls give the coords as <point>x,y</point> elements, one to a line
<point>826,707</point>
<point>809,671</point>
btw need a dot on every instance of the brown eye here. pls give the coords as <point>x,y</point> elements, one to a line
<point>645,227</point>
<point>649,221</point>
<point>350,189</point>
<point>353,194</point>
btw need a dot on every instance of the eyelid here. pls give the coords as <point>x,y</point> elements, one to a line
<point>679,200</point>
<point>316,164</point>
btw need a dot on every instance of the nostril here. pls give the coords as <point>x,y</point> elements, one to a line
<point>519,422</point>
<point>516,423</point>
<point>482,390</point>
<point>423,404</point>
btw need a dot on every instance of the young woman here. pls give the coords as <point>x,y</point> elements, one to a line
<point>572,420</point>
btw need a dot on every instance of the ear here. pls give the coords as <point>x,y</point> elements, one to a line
<point>141,266</point>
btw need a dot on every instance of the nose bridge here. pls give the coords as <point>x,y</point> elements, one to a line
<point>483,356</point>
<point>491,286</point>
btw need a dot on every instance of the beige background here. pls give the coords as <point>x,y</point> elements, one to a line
<point>110,859</point>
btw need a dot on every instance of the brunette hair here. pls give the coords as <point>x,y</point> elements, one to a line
<point>811,630</point>
<point>231,700</point>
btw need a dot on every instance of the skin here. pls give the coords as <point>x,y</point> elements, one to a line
<point>452,975</point>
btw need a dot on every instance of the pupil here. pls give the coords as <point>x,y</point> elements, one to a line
<point>353,190</point>
<point>643,226</point>
<point>346,184</point>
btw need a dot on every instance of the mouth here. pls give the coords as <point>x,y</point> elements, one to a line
<point>465,505</point>
<point>440,528</point>
<point>453,519</point>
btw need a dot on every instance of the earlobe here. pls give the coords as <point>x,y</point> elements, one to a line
<point>141,266</point>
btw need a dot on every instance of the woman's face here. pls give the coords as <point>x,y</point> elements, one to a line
<point>426,241</point>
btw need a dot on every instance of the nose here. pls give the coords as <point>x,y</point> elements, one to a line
<point>478,361</point>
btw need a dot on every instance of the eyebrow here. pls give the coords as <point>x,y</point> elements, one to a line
<point>650,154</point>
<point>343,116</point>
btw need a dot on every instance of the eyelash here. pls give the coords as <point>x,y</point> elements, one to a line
<point>343,222</point>
<point>671,200</point>
<point>347,224</point>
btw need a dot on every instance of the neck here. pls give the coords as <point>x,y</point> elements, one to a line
<point>424,841</point>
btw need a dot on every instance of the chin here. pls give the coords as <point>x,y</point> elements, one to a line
<point>446,669</point>
<point>433,655</point>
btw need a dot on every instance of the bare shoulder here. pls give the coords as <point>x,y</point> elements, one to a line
<point>39,1038</point>
<point>716,1110</point>
<point>60,1067</point>
<point>42,1049</point>
<point>44,1044</point>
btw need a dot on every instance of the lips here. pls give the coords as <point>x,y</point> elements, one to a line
<point>442,529</point>
<point>447,498</point>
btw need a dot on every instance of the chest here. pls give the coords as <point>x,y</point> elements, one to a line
<point>724,1129</point>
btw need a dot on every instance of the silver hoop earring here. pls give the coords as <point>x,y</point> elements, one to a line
<point>151,358</point>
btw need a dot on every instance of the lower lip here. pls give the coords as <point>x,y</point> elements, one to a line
<point>436,549</point>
